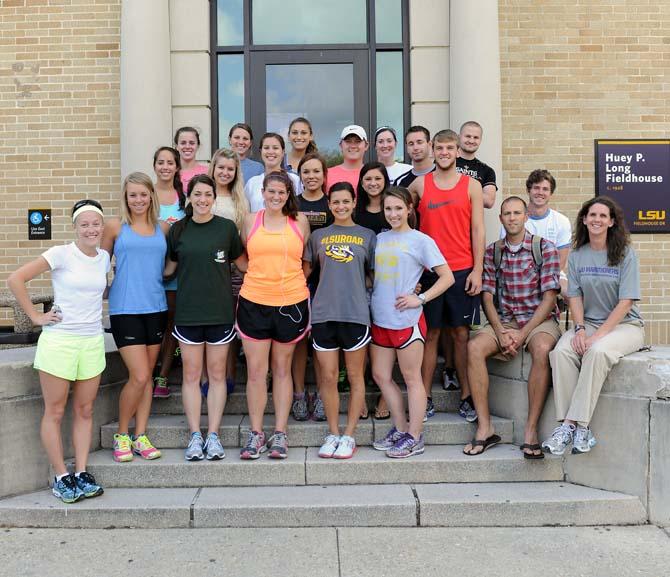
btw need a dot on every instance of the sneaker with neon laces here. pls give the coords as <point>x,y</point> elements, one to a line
<point>87,485</point>
<point>161,388</point>
<point>299,409</point>
<point>560,439</point>
<point>319,413</point>
<point>194,451</point>
<point>583,440</point>
<point>346,448</point>
<point>143,447</point>
<point>66,489</point>
<point>254,446</point>
<point>122,450</point>
<point>467,410</point>
<point>390,439</point>
<point>407,446</point>
<point>213,448</point>
<point>278,445</point>
<point>329,446</point>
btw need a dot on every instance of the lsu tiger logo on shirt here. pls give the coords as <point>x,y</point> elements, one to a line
<point>339,252</point>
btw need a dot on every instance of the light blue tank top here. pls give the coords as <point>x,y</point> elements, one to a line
<point>137,287</point>
<point>170,213</point>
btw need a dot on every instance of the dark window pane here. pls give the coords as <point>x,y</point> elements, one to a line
<point>390,110</point>
<point>231,93</point>
<point>322,93</point>
<point>313,22</point>
<point>230,22</point>
<point>388,21</point>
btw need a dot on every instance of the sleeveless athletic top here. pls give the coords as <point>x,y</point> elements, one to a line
<point>274,276</point>
<point>445,216</point>
<point>170,213</point>
<point>137,287</point>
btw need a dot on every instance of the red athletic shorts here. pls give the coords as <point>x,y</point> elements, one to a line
<point>399,338</point>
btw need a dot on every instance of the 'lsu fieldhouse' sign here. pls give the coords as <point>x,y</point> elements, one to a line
<point>636,173</point>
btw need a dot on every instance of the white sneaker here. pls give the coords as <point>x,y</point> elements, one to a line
<point>560,439</point>
<point>329,446</point>
<point>346,448</point>
<point>583,441</point>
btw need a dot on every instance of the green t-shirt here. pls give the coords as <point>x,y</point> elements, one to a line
<point>203,253</point>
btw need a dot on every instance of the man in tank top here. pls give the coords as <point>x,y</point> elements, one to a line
<point>451,211</point>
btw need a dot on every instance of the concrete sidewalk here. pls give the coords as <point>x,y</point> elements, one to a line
<point>342,552</point>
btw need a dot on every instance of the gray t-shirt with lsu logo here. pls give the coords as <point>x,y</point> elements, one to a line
<point>603,286</point>
<point>345,254</point>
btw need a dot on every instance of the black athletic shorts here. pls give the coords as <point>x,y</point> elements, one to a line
<point>147,329</point>
<point>286,324</point>
<point>453,308</point>
<point>201,334</point>
<point>333,335</point>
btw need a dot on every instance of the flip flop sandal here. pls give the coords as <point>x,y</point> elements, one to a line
<point>485,444</point>
<point>532,447</point>
<point>382,415</point>
<point>364,415</point>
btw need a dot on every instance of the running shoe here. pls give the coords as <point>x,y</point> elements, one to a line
<point>299,409</point>
<point>329,446</point>
<point>343,381</point>
<point>559,440</point>
<point>194,451</point>
<point>391,438</point>
<point>87,485</point>
<point>122,451</point>
<point>346,448</point>
<point>467,410</point>
<point>213,448</point>
<point>406,446</point>
<point>254,446</point>
<point>161,388</point>
<point>583,440</point>
<point>67,490</point>
<point>319,413</point>
<point>450,380</point>
<point>430,410</point>
<point>143,447</point>
<point>278,445</point>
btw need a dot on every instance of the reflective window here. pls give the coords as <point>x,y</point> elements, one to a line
<point>313,22</point>
<point>388,21</point>
<point>324,93</point>
<point>230,22</point>
<point>231,92</point>
<point>390,95</point>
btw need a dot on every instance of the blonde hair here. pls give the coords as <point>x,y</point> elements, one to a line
<point>143,180</point>
<point>236,187</point>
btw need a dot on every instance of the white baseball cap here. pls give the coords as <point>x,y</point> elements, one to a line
<point>354,129</point>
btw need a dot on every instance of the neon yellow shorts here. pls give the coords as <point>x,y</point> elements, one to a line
<point>70,357</point>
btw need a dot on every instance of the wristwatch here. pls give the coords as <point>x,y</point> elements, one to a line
<point>579,328</point>
<point>422,298</point>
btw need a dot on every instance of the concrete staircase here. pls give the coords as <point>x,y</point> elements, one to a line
<point>443,487</point>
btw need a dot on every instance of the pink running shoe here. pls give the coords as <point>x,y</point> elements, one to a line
<point>122,451</point>
<point>142,446</point>
<point>161,388</point>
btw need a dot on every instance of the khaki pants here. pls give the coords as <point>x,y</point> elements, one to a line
<point>578,380</point>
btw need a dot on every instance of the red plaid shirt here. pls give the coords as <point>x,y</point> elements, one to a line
<point>521,283</point>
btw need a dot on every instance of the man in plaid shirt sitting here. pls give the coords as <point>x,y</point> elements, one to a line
<point>519,299</point>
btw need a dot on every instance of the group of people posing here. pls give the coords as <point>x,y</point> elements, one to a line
<point>373,263</point>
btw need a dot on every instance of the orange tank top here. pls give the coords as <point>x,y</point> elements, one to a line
<point>274,276</point>
<point>446,217</point>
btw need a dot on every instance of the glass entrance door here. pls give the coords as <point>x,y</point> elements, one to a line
<point>328,87</point>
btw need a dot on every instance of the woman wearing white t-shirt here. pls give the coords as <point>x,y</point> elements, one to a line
<point>386,142</point>
<point>398,325</point>
<point>71,348</point>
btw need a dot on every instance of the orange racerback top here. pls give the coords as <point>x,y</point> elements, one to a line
<point>274,275</point>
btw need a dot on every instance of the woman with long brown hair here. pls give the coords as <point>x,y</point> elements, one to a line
<point>604,287</point>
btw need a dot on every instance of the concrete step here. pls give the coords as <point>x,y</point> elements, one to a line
<point>237,401</point>
<point>171,431</point>
<point>447,505</point>
<point>439,464</point>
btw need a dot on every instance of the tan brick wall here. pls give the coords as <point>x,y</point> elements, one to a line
<point>59,117</point>
<point>576,71</point>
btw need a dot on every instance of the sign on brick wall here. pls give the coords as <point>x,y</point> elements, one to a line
<point>39,224</point>
<point>636,173</point>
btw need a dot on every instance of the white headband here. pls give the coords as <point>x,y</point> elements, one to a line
<point>85,208</point>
